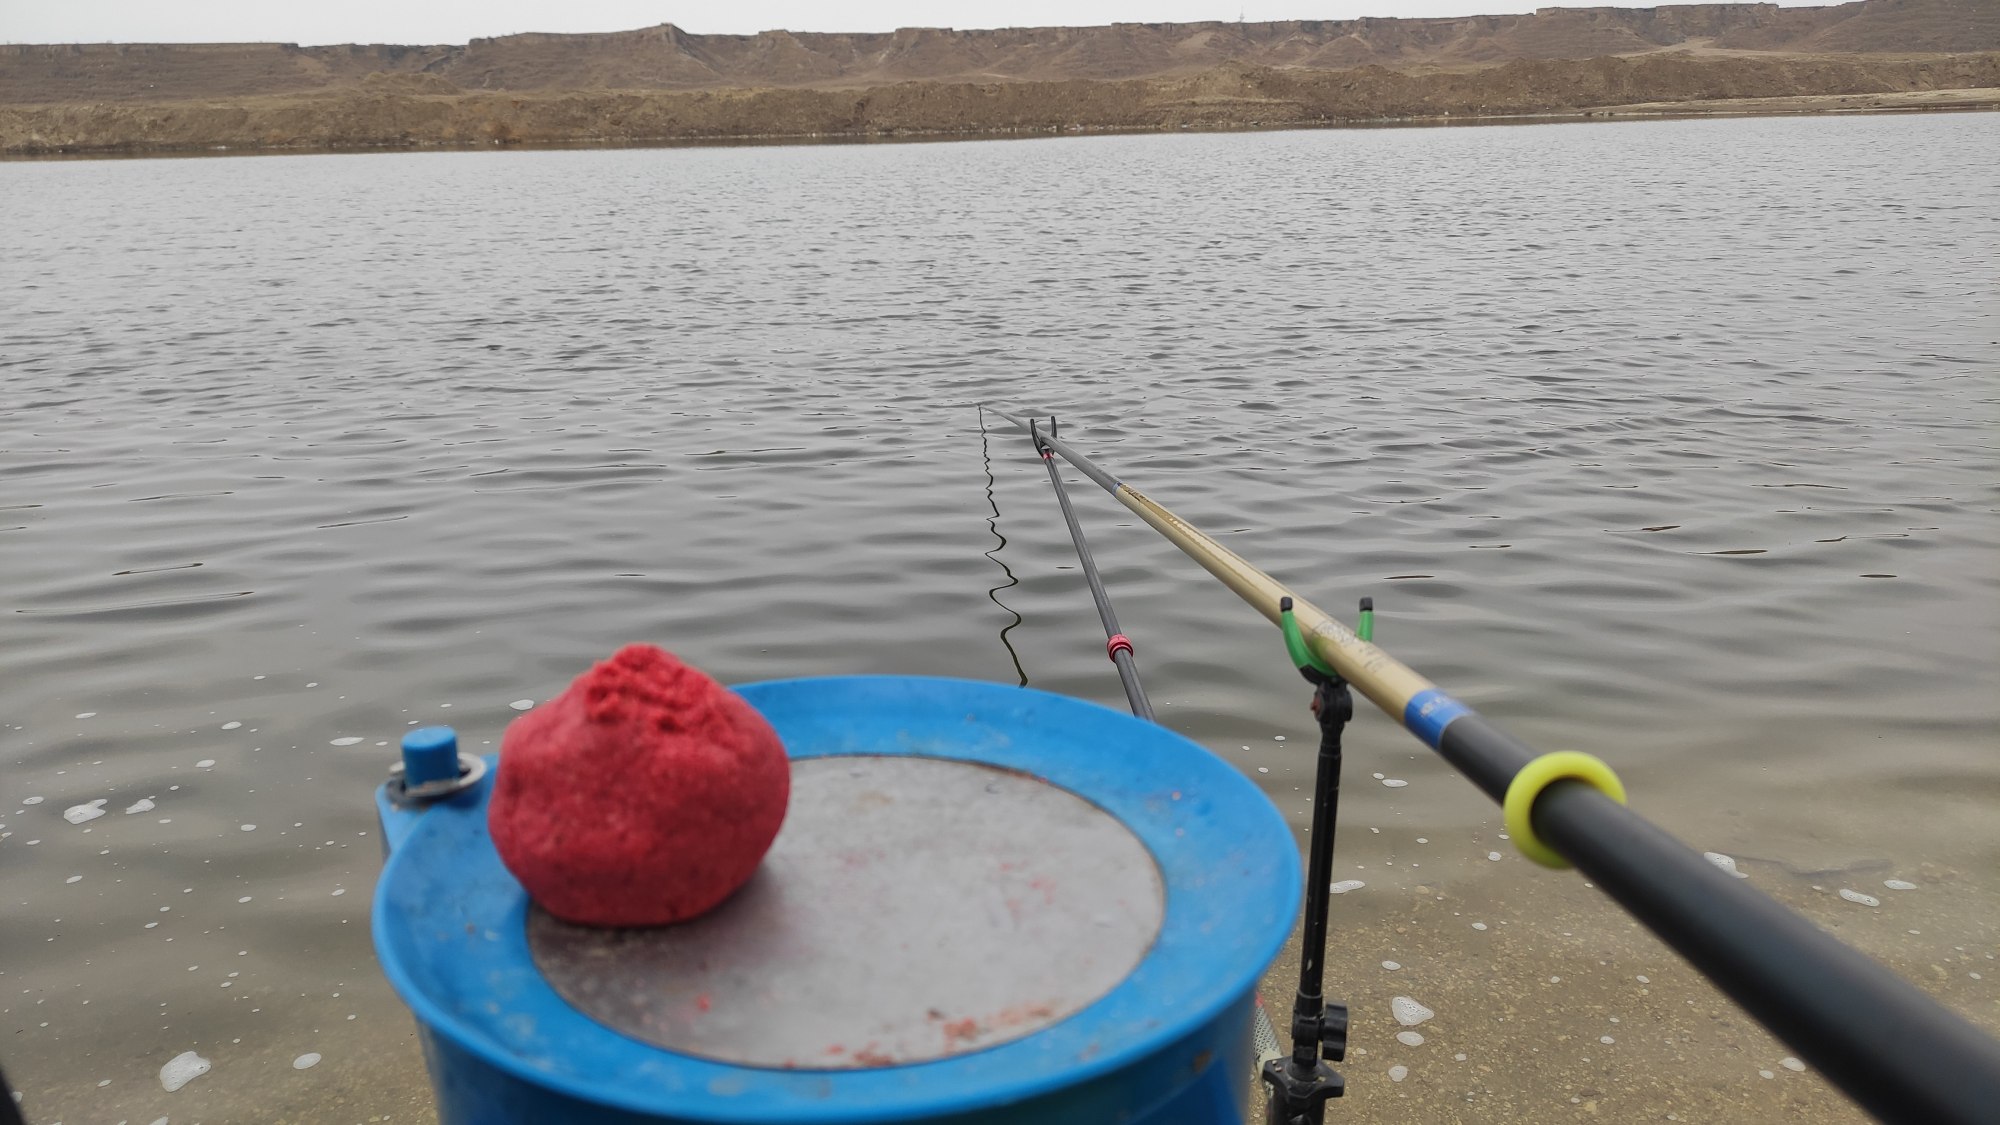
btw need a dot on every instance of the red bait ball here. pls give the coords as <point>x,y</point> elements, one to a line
<point>644,794</point>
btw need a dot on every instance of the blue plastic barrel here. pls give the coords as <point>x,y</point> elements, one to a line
<point>989,904</point>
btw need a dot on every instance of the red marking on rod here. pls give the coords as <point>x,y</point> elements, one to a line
<point>1117,641</point>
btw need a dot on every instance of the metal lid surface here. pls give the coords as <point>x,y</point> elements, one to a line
<point>911,908</point>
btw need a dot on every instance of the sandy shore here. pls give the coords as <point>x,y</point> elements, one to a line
<point>1893,102</point>
<point>1553,1004</point>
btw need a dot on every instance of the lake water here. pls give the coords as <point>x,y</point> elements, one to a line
<point>1673,441</point>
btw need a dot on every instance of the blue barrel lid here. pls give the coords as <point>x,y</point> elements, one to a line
<point>450,924</point>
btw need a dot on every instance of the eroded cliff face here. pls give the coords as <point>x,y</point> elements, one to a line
<point>419,110</point>
<point>667,58</point>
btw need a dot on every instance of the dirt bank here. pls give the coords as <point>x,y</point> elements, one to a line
<point>420,111</point>
<point>666,57</point>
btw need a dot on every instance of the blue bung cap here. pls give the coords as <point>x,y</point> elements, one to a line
<point>430,754</point>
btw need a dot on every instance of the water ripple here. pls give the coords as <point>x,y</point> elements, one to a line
<point>1669,441</point>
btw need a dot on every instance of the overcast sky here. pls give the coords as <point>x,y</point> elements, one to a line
<point>455,21</point>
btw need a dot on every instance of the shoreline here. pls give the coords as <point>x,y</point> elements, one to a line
<point>403,113</point>
<point>1970,100</point>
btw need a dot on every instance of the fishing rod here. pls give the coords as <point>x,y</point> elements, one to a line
<point>1896,1051</point>
<point>1115,641</point>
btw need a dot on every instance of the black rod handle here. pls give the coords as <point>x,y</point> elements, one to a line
<point>1891,1048</point>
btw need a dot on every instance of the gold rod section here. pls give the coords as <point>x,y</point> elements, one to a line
<point>1386,681</point>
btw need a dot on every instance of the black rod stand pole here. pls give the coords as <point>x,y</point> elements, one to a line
<point>1331,699</point>
<point>1301,1084</point>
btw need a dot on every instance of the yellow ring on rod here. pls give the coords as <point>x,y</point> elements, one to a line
<point>1539,775</point>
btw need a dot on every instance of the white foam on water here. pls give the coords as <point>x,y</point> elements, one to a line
<point>1345,885</point>
<point>86,714</point>
<point>1899,884</point>
<point>205,764</point>
<point>247,827</point>
<point>306,1061</point>
<point>1277,738</point>
<point>1408,1012</point>
<point>74,879</point>
<point>524,704</point>
<point>78,814</point>
<point>1391,966</point>
<point>157,1121</point>
<point>1263,769</point>
<point>32,800</point>
<point>1394,782</point>
<point>1724,862</point>
<point>1398,1073</point>
<point>338,891</point>
<point>1479,925</point>
<point>1606,1040</point>
<point>1379,777</point>
<point>143,804</point>
<point>346,740</point>
<point>244,899</point>
<point>1643,980</point>
<point>182,1069</point>
<point>1494,856</point>
<point>1421,840</point>
<point>1410,1038</point>
<point>231,726</point>
<point>1857,896</point>
<point>1791,1064</point>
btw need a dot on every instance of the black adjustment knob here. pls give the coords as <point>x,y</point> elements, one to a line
<point>1333,1033</point>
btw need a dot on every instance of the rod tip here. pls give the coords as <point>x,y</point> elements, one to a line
<point>1368,605</point>
<point>1285,604</point>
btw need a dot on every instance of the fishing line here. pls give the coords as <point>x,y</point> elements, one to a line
<point>993,525</point>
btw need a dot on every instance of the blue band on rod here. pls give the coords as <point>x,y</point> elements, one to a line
<point>1429,712</point>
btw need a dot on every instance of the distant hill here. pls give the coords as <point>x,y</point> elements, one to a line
<point>667,58</point>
